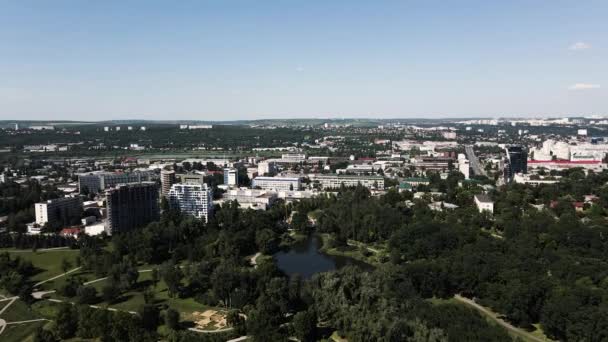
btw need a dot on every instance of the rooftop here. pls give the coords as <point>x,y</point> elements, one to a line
<point>483,198</point>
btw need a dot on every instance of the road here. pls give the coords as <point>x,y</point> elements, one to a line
<point>475,166</point>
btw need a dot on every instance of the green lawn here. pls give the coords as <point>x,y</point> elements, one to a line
<point>48,263</point>
<point>21,332</point>
<point>133,300</point>
<point>18,311</point>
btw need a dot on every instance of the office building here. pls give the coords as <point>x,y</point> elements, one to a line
<point>191,178</point>
<point>250,198</point>
<point>516,161</point>
<point>231,176</point>
<point>294,157</point>
<point>131,206</point>
<point>266,168</point>
<point>59,211</point>
<point>167,179</point>
<point>95,182</point>
<point>336,181</point>
<point>276,183</point>
<point>192,199</point>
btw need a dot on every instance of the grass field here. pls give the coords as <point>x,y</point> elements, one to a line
<point>19,311</point>
<point>21,332</point>
<point>47,262</point>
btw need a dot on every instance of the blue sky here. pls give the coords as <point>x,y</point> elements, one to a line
<point>223,59</point>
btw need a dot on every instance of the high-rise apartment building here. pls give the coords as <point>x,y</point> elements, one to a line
<point>167,179</point>
<point>193,199</point>
<point>59,211</point>
<point>131,206</point>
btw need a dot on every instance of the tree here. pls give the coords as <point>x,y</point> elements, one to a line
<point>172,275</point>
<point>86,295</point>
<point>65,265</point>
<point>149,317</point>
<point>149,295</point>
<point>66,321</point>
<point>155,277</point>
<point>305,325</point>
<point>44,335</point>
<point>172,319</point>
<point>110,293</point>
<point>235,320</point>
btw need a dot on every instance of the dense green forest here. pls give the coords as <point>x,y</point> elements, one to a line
<point>545,266</point>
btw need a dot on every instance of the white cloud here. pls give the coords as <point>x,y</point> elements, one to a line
<point>579,46</point>
<point>583,86</point>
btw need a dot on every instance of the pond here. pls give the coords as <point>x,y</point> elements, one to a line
<point>305,259</point>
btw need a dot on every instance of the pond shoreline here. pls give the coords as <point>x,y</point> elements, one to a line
<point>307,257</point>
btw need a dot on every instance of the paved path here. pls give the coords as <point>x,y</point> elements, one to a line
<point>104,278</point>
<point>254,260</point>
<point>40,294</point>
<point>54,249</point>
<point>210,331</point>
<point>56,277</point>
<point>28,321</point>
<point>513,329</point>
<point>354,243</point>
<point>11,301</point>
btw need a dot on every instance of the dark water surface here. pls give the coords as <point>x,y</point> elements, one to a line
<point>305,259</point>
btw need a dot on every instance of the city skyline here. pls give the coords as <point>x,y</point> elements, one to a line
<point>217,61</point>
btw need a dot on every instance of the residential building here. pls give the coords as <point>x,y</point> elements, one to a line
<point>276,183</point>
<point>130,206</point>
<point>167,179</point>
<point>484,202</point>
<point>192,199</point>
<point>59,211</point>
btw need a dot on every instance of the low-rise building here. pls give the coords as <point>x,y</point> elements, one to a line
<point>484,202</point>
<point>277,183</point>
<point>250,198</point>
<point>337,181</point>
